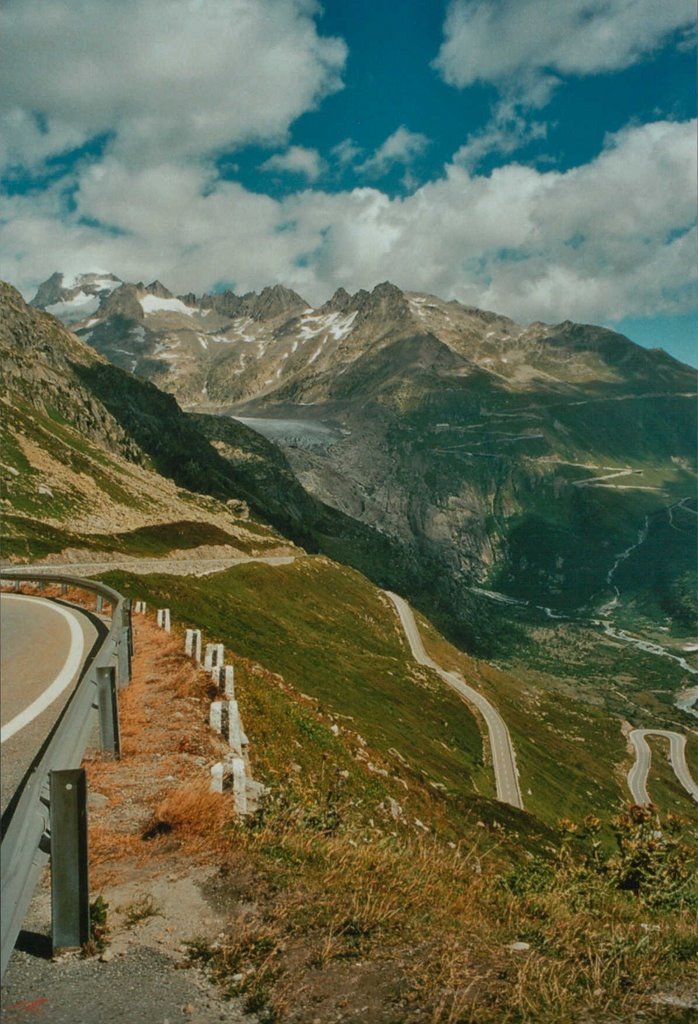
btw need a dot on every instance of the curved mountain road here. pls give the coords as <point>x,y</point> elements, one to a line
<point>637,776</point>
<point>43,647</point>
<point>503,758</point>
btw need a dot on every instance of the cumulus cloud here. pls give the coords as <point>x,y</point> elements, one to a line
<point>169,78</point>
<point>402,147</point>
<point>610,238</point>
<point>500,40</point>
<point>296,160</point>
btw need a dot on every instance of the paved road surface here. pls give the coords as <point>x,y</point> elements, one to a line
<point>180,566</point>
<point>637,776</point>
<point>43,646</point>
<point>503,759</point>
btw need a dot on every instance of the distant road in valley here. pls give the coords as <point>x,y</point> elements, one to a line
<point>503,759</point>
<point>43,647</point>
<point>179,566</point>
<point>637,776</point>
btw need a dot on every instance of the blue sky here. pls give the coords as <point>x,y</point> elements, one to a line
<point>536,157</point>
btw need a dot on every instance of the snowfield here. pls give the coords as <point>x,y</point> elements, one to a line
<point>152,304</point>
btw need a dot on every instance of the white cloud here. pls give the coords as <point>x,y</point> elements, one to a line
<point>296,160</point>
<point>346,151</point>
<point>170,78</point>
<point>402,147</point>
<point>507,131</point>
<point>498,40</point>
<point>607,239</point>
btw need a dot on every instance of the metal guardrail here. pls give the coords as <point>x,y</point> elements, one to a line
<point>36,829</point>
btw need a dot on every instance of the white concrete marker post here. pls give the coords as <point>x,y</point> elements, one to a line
<point>239,785</point>
<point>216,673</point>
<point>197,646</point>
<point>166,621</point>
<point>216,716</point>
<point>234,728</point>
<point>190,641</point>
<point>208,657</point>
<point>229,681</point>
<point>217,777</point>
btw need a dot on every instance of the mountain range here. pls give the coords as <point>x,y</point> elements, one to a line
<point>491,458</point>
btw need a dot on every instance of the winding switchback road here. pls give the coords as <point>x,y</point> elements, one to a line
<point>637,776</point>
<point>503,759</point>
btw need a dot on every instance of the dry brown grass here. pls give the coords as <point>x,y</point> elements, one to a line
<point>159,789</point>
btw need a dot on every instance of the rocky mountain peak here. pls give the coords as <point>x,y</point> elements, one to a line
<point>158,289</point>
<point>49,291</point>
<point>341,302</point>
<point>386,302</point>
<point>73,297</point>
<point>124,302</point>
<point>274,301</point>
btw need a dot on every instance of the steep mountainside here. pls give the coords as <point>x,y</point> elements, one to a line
<point>85,441</point>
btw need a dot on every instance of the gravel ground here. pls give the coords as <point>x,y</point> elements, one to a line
<point>143,977</point>
<point>142,985</point>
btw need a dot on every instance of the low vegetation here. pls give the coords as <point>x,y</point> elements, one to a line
<point>343,905</point>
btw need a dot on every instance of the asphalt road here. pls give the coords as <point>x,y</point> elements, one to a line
<point>182,565</point>
<point>43,647</point>
<point>503,759</point>
<point>637,776</point>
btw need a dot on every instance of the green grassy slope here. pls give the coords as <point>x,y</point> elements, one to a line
<point>333,636</point>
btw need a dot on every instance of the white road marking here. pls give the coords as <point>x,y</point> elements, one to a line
<point>64,677</point>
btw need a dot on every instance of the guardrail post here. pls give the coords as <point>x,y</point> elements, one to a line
<point>192,643</point>
<point>70,900</point>
<point>128,615</point>
<point>124,647</point>
<point>99,604</point>
<point>109,736</point>
<point>124,657</point>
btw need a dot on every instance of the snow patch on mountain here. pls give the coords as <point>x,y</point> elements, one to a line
<point>312,324</point>
<point>76,308</point>
<point>98,280</point>
<point>153,304</point>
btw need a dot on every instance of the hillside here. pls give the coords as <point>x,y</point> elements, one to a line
<point>382,852</point>
<point>90,452</point>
